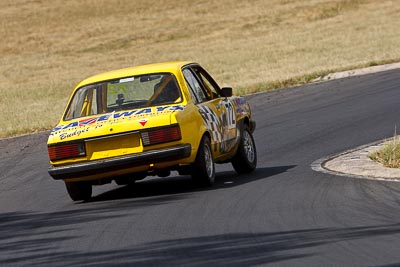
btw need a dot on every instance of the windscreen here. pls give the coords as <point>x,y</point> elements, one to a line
<point>124,94</point>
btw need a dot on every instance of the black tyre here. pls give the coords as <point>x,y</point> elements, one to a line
<point>245,160</point>
<point>79,190</point>
<point>203,171</point>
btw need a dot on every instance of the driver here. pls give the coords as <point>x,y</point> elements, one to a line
<point>167,94</point>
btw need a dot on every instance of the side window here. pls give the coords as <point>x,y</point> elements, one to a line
<point>194,86</point>
<point>209,85</point>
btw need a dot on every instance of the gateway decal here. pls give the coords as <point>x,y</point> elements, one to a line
<point>125,114</point>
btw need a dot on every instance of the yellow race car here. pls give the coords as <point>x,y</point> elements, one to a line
<point>127,124</point>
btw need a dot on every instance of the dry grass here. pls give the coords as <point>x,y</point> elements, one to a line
<point>389,154</point>
<point>48,46</point>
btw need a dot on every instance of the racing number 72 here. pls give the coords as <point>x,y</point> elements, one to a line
<point>231,120</point>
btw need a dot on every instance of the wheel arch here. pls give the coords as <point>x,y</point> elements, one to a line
<point>249,123</point>
<point>205,133</point>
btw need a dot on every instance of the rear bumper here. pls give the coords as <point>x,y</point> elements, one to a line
<point>124,162</point>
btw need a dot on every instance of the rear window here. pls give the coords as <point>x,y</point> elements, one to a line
<point>124,94</point>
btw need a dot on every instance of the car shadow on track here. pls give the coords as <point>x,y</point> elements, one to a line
<point>184,184</point>
<point>28,239</point>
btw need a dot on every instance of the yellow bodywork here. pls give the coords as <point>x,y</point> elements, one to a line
<point>117,134</point>
<point>111,139</point>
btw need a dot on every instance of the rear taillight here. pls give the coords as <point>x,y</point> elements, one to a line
<point>65,151</point>
<point>161,135</point>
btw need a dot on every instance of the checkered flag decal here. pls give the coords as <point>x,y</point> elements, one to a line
<point>212,122</point>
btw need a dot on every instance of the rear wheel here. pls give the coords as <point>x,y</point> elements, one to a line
<point>245,160</point>
<point>79,190</point>
<point>203,171</point>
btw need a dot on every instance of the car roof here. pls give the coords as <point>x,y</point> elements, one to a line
<point>172,67</point>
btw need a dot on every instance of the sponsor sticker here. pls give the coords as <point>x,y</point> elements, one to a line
<point>119,115</point>
<point>143,122</point>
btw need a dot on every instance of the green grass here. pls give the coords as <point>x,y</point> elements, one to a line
<point>49,46</point>
<point>389,154</point>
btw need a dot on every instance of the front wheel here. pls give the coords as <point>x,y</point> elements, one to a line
<point>245,160</point>
<point>203,171</point>
<point>79,190</point>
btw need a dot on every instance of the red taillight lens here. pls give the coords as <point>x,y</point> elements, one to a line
<point>66,151</point>
<point>161,135</point>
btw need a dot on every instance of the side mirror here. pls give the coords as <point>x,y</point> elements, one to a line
<point>226,91</point>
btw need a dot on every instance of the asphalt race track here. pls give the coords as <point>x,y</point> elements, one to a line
<point>283,214</point>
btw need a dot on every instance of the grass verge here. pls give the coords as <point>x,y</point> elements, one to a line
<point>389,154</point>
<point>304,79</point>
<point>255,45</point>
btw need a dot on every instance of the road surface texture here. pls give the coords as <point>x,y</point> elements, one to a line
<point>283,214</point>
